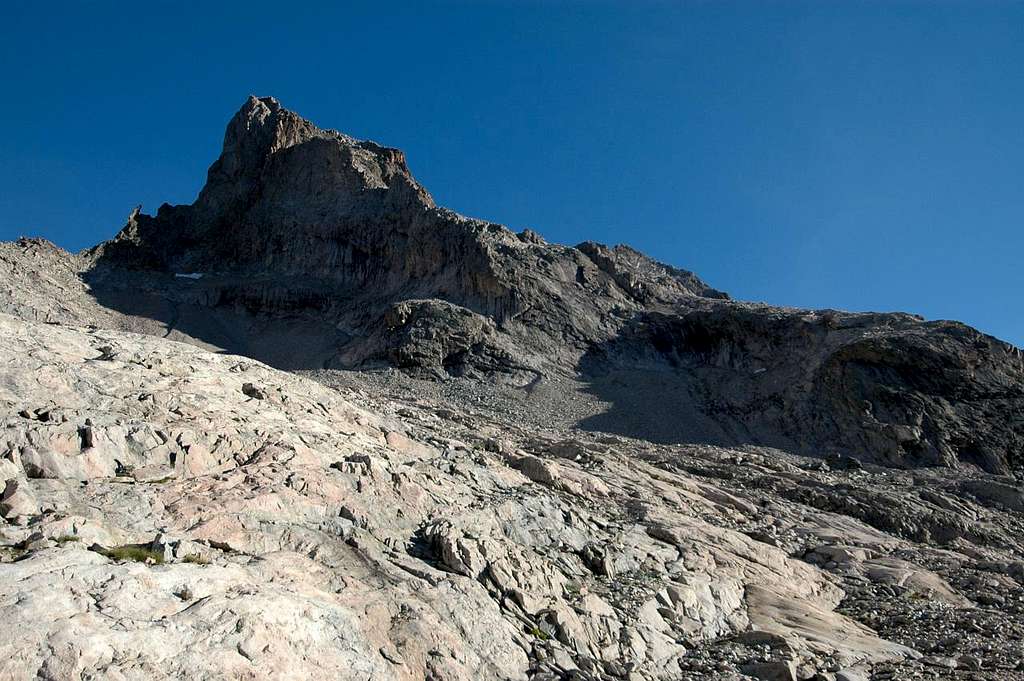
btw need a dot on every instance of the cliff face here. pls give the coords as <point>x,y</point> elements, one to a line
<point>887,388</point>
<point>299,221</point>
<point>309,249</point>
<point>283,198</point>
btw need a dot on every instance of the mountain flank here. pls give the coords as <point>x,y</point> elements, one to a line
<point>310,250</point>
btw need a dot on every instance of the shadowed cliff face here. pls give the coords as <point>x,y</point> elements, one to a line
<point>308,249</point>
<point>887,388</point>
<point>313,229</point>
<point>287,199</point>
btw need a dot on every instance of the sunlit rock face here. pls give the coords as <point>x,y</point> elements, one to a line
<point>210,516</point>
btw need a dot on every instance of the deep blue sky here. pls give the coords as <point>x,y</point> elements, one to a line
<point>860,155</point>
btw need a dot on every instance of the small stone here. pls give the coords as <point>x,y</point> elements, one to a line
<point>939,661</point>
<point>251,390</point>
<point>771,671</point>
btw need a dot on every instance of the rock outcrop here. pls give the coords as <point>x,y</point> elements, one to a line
<point>300,222</point>
<point>889,388</point>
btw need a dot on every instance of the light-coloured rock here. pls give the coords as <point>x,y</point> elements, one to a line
<point>311,525</point>
<point>17,500</point>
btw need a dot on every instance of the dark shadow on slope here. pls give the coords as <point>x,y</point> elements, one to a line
<point>287,231</point>
<point>221,314</point>
<point>676,379</point>
<point>656,404</point>
<point>886,388</point>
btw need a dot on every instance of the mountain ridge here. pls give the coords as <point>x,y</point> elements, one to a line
<point>312,250</point>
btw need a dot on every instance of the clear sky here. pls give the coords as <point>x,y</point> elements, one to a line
<point>858,155</point>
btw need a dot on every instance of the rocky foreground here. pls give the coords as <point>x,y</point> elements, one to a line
<point>174,513</point>
<point>472,454</point>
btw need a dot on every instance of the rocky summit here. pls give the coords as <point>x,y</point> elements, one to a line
<point>314,426</point>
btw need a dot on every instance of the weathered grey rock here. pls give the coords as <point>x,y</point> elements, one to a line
<point>771,671</point>
<point>990,491</point>
<point>851,675</point>
<point>17,500</point>
<point>889,388</point>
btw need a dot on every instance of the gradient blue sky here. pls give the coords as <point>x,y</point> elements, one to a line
<point>859,155</point>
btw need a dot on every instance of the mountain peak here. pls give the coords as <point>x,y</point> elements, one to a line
<point>262,126</point>
<point>280,185</point>
<point>253,101</point>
